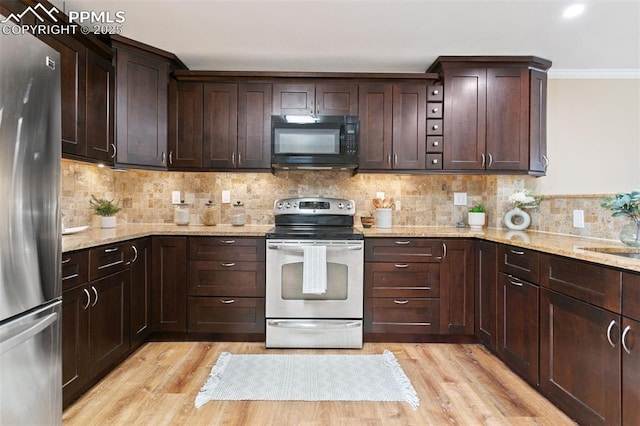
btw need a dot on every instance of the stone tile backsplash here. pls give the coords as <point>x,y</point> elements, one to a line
<point>425,200</point>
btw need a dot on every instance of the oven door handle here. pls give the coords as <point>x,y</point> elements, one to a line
<point>313,324</point>
<point>299,247</point>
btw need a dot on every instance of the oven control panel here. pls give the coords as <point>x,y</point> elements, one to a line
<point>314,205</point>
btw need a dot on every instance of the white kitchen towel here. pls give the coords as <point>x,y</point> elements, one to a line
<point>314,270</point>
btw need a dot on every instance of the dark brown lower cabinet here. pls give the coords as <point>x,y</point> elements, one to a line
<point>517,326</point>
<point>457,288</point>
<point>486,292</point>
<point>140,298</point>
<point>580,359</point>
<point>631,372</point>
<point>169,292</point>
<point>226,314</point>
<point>400,315</point>
<point>75,341</point>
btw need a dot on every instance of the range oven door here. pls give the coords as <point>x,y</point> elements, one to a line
<point>345,268</point>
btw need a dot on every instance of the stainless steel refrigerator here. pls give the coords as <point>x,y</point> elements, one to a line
<point>30,241</point>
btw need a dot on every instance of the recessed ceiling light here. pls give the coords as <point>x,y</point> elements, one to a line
<point>573,11</point>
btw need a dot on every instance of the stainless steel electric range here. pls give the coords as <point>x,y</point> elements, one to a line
<point>315,267</point>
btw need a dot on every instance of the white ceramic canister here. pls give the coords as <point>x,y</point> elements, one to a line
<point>238,215</point>
<point>383,218</point>
<point>181,214</point>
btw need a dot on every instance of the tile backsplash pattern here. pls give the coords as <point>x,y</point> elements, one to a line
<point>425,200</point>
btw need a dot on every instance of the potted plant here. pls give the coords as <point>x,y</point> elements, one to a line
<point>626,204</point>
<point>477,217</point>
<point>106,209</point>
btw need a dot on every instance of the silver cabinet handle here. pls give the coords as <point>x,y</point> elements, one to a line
<point>401,265</point>
<point>434,161</point>
<point>435,110</point>
<point>513,280</point>
<point>435,92</point>
<point>401,302</point>
<point>545,161</point>
<point>444,250</point>
<point>389,159</point>
<point>67,260</point>
<point>228,265</point>
<point>227,302</point>
<point>483,160</point>
<point>115,150</point>
<point>239,158</point>
<point>395,159</point>
<point>233,158</point>
<point>436,143</point>
<point>490,161</point>
<point>435,127</point>
<point>519,253</point>
<point>163,157</point>
<point>611,324</point>
<point>626,331</point>
<point>135,254</point>
<point>85,291</point>
<point>111,250</point>
<point>402,243</point>
<point>170,157</point>
<point>228,241</point>
<point>96,293</point>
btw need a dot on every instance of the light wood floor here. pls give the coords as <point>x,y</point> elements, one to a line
<point>456,384</point>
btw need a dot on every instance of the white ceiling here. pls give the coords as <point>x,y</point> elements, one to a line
<point>382,35</point>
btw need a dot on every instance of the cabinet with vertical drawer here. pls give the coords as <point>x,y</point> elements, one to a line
<point>434,128</point>
<point>401,288</point>
<point>226,286</point>
<point>517,310</point>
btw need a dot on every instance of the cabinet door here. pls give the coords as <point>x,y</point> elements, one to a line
<point>226,314</point>
<point>108,321</point>
<point>465,103</point>
<point>99,121</point>
<point>336,99</point>
<point>169,289</point>
<point>295,99</point>
<point>376,124</point>
<point>538,160</point>
<point>254,126</point>
<point>73,87</point>
<point>579,366</point>
<point>507,119</point>
<point>140,285</point>
<point>142,87</point>
<point>517,333</point>
<point>486,292</point>
<point>185,124</point>
<point>409,126</point>
<point>630,372</point>
<point>220,133</point>
<point>456,288</point>
<point>75,343</point>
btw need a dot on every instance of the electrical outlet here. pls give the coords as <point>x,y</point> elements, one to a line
<point>175,197</point>
<point>380,195</point>
<point>578,218</point>
<point>396,203</point>
<point>459,198</point>
<point>226,197</point>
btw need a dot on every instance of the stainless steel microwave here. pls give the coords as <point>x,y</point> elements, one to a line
<point>314,143</point>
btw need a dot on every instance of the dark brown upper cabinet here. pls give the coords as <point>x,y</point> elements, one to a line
<point>185,124</point>
<point>315,99</point>
<point>392,126</point>
<point>494,113</point>
<point>220,136</point>
<point>142,85</point>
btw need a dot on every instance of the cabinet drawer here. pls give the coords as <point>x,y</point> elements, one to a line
<point>434,143</point>
<point>435,94</point>
<point>215,278</point>
<point>75,269</point>
<point>434,162</point>
<point>434,110</point>
<point>230,249</point>
<point>590,283</point>
<point>519,262</point>
<point>402,280</point>
<point>406,250</point>
<point>226,315</point>
<point>107,260</point>
<point>631,295</point>
<point>434,127</point>
<point>402,315</point>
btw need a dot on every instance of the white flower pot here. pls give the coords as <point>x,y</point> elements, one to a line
<point>107,221</point>
<point>476,220</point>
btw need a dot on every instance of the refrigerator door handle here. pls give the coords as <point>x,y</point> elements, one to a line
<point>27,333</point>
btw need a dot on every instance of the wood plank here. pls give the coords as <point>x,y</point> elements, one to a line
<point>456,384</point>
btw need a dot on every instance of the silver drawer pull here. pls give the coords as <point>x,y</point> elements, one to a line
<point>68,277</point>
<point>228,264</point>
<point>109,265</point>
<point>67,260</point>
<point>402,243</point>
<point>401,302</point>
<point>227,302</point>
<point>227,242</point>
<point>401,265</point>
<point>515,281</point>
<point>519,253</point>
<point>111,250</point>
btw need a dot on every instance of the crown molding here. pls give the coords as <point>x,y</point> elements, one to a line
<point>595,73</point>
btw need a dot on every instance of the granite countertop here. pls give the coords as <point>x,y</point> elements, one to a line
<point>563,245</point>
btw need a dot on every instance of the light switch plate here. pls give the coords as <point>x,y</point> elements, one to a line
<point>578,218</point>
<point>175,197</point>
<point>380,195</point>
<point>226,197</point>
<point>459,198</point>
